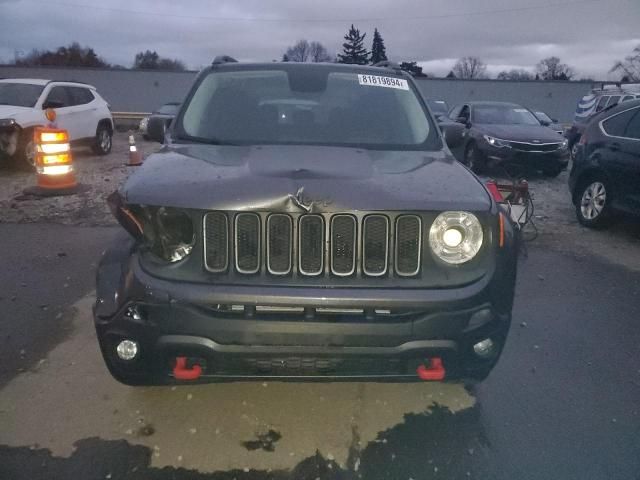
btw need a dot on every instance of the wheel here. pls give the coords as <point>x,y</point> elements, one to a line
<point>574,150</point>
<point>552,171</point>
<point>593,200</point>
<point>25,156</point>
<point>103,142</point>
<point>474,158</point>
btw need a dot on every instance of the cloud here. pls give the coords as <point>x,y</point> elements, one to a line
<point>433,33</point>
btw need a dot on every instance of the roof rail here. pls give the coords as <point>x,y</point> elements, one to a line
<point>220,59</point>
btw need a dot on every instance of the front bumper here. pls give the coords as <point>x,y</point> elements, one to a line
<point>176,319</point>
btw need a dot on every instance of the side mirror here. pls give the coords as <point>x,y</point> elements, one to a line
<point>52,104</point>
<point>554,120</point>
<point>544,123</point>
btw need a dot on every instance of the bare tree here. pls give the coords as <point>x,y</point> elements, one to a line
<point>515,74</point>
<point>318,53</point>
<point>299,52</point>
<point>550,68</point>
<point>469,67</point>
<point>629,67</point>
<point>305,51</point>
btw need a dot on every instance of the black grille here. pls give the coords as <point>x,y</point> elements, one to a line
<point>408,245</point>
<point>279,244</point>
<point>311,246</point>
<point>376,244</point>
<point>308,245</point>
<point>247,242</point>
<point>532,147</point>
<point>343,242</point>
<point>216,233</point>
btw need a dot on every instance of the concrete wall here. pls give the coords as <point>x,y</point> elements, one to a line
<point>143,91</point>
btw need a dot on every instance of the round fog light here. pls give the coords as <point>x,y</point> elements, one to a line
<point>127,349</point>
<point>484,348</point>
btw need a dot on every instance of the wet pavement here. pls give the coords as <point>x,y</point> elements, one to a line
<point>563,401</point>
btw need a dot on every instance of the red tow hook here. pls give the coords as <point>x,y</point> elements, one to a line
<point>181,372</point>
<point>435,371</point>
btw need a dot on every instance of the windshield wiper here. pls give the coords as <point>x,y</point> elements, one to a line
<point>206,141</point>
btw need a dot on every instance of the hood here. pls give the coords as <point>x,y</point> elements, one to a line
<point>12,111</point>
<point>520,133</point>
<point>303,178</point>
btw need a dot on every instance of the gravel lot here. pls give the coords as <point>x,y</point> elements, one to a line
<point>554,215</point>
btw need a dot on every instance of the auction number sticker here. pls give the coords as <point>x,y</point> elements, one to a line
<point>388,82</point>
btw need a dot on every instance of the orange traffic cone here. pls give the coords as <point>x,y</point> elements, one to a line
<point>54,164</point>
<point>135,157</point>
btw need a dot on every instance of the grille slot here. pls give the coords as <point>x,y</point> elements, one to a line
<point>247,242</point>
<point>375,244</point>
<point>408,245</point>
<point>343,243</point>
<point>216,242</point>
<point>279,230</point>
<point>311,245</point>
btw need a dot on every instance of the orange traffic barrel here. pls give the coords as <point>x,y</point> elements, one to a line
<point>54,163</point>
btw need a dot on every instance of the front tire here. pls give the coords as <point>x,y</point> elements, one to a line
<point>103,141</point>
<point>593,202</point>
<point>25,156</point>
<point>474,158</point>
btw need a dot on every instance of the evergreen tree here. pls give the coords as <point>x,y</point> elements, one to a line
<point>353,48</point>
<point>378,50</point>
<point>451,74</point>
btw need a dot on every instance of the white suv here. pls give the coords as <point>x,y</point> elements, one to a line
<point>79,109</point>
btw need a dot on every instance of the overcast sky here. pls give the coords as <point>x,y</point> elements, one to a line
<point>589,35</point>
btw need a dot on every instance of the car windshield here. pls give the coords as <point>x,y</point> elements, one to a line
<point>306,106</point>
<point>438,106</point>
<point>19,94</point>
<point>168,109</point>
<point>543,117</point>
<point>503,115</point>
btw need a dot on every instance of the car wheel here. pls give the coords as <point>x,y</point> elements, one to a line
<point>552,171</point>
<point>474,158</point>
<point>574,150</point>
<point>104,140</point>
<point>593,200</point>
<point>25,156</point>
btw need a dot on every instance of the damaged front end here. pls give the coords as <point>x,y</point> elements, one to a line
<point>9,137</point>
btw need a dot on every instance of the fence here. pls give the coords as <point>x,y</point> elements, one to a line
<point>145,90</point>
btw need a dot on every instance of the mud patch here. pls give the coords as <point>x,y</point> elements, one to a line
<point>435,444</point>
<point>264,441</point>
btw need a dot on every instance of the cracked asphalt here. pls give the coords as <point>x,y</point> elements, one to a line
<point>563,401</point>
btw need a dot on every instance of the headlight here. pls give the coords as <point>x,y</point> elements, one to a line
<point>495,142</point>
<point>456,237</point>
<point>175,235</point>
<point>565,143</point>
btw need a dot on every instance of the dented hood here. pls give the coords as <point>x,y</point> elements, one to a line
<point>303,178</point>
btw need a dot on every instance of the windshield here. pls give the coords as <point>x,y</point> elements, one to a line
<point>503,115</point>
<point>543,117</point>
<point>168,109</point>
<point>19,94</point>
<point>438,107</point>
<point>305,106</point>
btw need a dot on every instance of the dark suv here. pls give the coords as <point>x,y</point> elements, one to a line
<point>304,221</point>
<point>605,177</point>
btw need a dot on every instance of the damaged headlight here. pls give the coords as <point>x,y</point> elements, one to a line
<point>166,232</point>
<point>456,237</point>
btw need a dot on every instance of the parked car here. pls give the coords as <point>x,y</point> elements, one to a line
<point>547,121</point>
<point>605,176</point>
<point>78,106</point>
<point>507,133</point>
<point>439,108</point>
<point>603,95</point>
<point>304,220</point>
<point>157,124</point>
